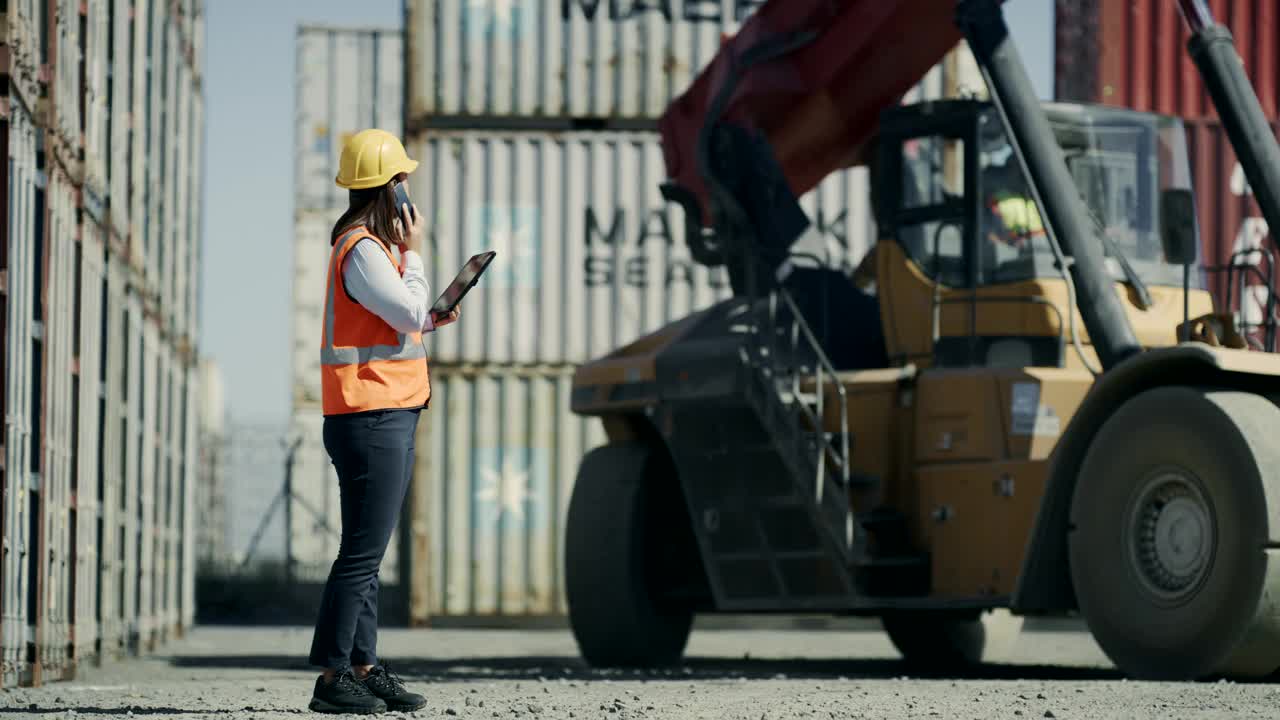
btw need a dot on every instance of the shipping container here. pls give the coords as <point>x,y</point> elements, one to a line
<point>498,452</point>
<point>26,35</point>
<point>566,59</point>
<point>97,113</point>
<point>87,507</point>
<point>22,376</point>
<point>191,522</point>
<point>147,431</point>
<point>122,109</point>
<point>311,233</point>
<point>131,448</point>
<point>346,80</point>
<point>1232,228</point>
<point>112,469</point>
<point>590,256</point>
<point>1133,53</point>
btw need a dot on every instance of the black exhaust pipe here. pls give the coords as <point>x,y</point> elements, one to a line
<point>1214,53</point>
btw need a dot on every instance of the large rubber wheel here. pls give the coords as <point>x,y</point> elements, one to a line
<point>613,560</point>
<point>1174,512</point>
<point>937,641</point>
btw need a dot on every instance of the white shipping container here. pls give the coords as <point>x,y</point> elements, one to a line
<point>192,469</point>
<point>560,58</point>
<point>88,566</point>
<point>21,377</point>
<point>121,107</point>
<point>53,624</point>
<point>131,508</point>
<point>497,454</point>
<point>347,80</point>
<point>312,229</point>
<point>147,431</point>
<point>96,111</point>
<point>590,256</point>
<point>115,512</point>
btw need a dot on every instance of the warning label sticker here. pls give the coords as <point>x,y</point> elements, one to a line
<point>1029,416</point>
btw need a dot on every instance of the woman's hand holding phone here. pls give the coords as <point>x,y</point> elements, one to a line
<point>414,228</point>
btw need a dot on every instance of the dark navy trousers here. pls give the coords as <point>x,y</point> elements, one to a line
<point>373,455</point>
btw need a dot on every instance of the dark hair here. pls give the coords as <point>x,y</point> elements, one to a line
<point>374,208</point>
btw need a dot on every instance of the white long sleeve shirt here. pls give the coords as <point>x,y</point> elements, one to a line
<point>373,280</point>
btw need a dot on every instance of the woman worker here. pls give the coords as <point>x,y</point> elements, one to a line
<point>374,384</point>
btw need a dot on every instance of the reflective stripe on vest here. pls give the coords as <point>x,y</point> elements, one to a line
<point>361,373</point>
<point>1018,213</point>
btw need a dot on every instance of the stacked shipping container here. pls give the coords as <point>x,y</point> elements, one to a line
<point>97,325</point>
<point>346,80</point>
<point>1133,53</point>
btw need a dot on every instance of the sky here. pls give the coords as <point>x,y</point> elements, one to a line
<point>249,171</point>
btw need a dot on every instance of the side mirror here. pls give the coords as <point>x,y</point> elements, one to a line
<point>1178,226</point>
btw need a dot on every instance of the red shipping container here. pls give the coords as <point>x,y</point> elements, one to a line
<point>1231,224</point>
<point>1133,53</point>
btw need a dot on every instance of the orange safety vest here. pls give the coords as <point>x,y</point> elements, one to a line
<point>364,363</point>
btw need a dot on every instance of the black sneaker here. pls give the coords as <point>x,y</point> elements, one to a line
<point>345,694</point>
<point>387,685</point>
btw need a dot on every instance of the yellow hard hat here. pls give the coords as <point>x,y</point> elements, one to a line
<point>371,158</point>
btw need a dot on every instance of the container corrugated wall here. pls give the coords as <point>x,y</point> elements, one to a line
<point>347,80</point>
<point>100,260</point>
<point>22,377</point>
<point>1132,53</point>
<point>590,256</point>
<point>497,455</point>
<point>1230,220</point>
<point>559,58</point>
<point>58,323</point>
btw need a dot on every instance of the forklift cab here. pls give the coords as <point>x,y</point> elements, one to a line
<point>966,272</point>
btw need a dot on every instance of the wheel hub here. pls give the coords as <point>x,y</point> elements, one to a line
<point>1173,535</point>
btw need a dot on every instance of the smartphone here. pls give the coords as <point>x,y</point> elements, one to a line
<point>402,199</point>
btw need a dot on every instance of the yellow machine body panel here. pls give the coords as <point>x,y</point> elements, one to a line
<point>907,298</point>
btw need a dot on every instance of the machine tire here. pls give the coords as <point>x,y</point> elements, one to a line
<point>609,565</point>
<point>1171,539</point>
<point>937,641</point>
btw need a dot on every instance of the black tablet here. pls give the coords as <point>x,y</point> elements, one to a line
<point>465,280</point>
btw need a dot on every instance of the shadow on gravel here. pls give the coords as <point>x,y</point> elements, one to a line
<point>473,669</point>
<point>134,710</point>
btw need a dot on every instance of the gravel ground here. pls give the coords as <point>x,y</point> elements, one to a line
<point>739,674</point>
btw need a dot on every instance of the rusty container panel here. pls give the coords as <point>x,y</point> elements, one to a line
<point>1132,53</point>
<point>121,108</point>
<point>497,455</point>
<point>67,50</point>
<point>1232,229</point>
<point>55,611</point>
<point>97,112</point>
<point>22,374</point>
<point>25,39</point>
<point>87,506</point>
<point>112,467</point>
